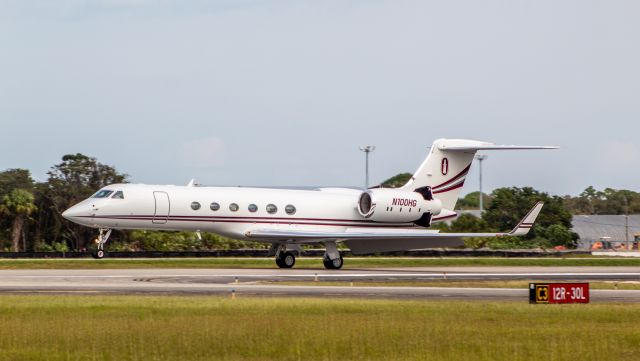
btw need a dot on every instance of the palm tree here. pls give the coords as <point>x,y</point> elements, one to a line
<point>18,204</point>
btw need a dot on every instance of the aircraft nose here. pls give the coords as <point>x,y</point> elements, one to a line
<point>73,213</point>
<point>68,214</point>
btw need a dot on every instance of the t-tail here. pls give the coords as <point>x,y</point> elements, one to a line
<point>445,169</point>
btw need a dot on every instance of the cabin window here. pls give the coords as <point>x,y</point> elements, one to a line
<point>253,208</point>
<point>290,209</point>
<point>233,207</point>
<point>271,208</point>
<point>102,194</point>
<point>195,206</point>
<point>118,195</point>
<point>214,206</point>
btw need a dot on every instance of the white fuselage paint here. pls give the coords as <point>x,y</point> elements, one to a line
<point>162,207</point>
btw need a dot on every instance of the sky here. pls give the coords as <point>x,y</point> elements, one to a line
<point>282,93</point>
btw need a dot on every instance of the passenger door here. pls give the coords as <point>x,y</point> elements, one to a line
<point>163,207</point>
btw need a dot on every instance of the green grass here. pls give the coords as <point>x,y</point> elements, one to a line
<point>213,328</point>
<point>303,262</point>
<point>605,285</point>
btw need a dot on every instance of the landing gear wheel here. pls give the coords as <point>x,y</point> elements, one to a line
<point>332,263</point>
<point>286,260</point>
<point>102,238</point>
<point>98,254</point>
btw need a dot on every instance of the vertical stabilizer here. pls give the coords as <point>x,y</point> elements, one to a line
<point>447,165</point>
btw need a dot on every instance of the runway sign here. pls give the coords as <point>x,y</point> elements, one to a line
<point>558,293</point>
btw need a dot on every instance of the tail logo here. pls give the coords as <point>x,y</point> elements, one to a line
<point>444,166</point>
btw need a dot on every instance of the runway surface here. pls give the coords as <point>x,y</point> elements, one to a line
<point>264,282</point>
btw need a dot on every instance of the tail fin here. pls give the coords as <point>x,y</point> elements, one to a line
<point>447,166</point>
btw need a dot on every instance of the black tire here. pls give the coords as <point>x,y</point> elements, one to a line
<point>286,260</point>
<point>327,263</point>
<point>333,264</point>
<point>98,254</point>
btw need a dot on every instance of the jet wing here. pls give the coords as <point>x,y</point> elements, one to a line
<point>371,240</point>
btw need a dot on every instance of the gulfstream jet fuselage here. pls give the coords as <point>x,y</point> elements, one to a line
<point>368,221</point>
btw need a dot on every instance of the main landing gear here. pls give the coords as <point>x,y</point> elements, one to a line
<point>100,240</point>
<point>335,263</point>
<point>286,258</point>
<point>332,258</point>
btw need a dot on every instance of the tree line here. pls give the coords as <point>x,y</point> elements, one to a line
<point>504,207</point>
<point>31,213</point>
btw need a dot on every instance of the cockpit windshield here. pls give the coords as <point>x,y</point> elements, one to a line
<point>102,194</point>
<point>118,195</point>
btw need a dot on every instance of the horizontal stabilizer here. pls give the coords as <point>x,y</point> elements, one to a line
<point>473,145</point>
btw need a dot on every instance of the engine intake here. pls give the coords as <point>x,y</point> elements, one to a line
<point>366,205</point>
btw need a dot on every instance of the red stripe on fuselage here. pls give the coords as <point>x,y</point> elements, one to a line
<point>253,221</point>
<point>261,220</point>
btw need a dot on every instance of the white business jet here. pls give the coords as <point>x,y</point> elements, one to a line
<point>368,221</point>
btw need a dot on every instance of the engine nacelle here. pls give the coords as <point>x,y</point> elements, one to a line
<point>396,206</point>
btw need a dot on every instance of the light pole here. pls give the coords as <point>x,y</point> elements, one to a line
<point>480,158</point>
<point>626,220</point>
<point>367,149</point>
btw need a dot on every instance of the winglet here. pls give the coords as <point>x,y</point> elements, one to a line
<point>192,183</point>
<point>527,222</point>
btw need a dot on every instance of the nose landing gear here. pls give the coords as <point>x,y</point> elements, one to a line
<point>100,240</point>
